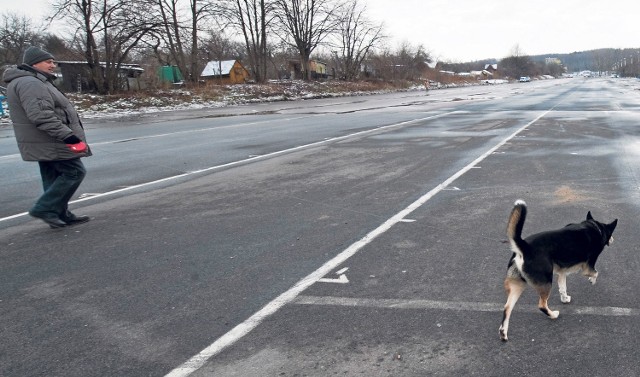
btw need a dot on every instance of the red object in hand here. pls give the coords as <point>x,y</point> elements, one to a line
<point>78,147</point>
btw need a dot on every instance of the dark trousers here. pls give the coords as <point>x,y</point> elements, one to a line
<point>60,180</point>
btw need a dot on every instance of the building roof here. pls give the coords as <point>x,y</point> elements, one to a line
<point>218,68</point>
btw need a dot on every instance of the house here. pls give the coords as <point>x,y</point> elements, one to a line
<point>225,72</point>
<point>491,67</point>
<point>317,69</point>
<point>76,74</point>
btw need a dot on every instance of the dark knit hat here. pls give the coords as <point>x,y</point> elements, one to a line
<point>34,55</point>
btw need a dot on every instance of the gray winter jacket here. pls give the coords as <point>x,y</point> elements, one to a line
<point>42,116</point>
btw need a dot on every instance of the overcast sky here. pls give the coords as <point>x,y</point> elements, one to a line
<point>466,30</point>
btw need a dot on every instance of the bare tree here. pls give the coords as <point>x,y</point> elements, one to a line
<point>181,27</point>
<point>169,14</point>
<point>517,64</point>
<point>410,61</point>
<point>305,24</point>
<point>16,34</point>
<point>406,62</point>
<point>109,30</point>
<point>253,19</point>
<point>200,10</point>
<point>553,68</point>
<point>220,48</point>
<point>59,48</point>
<point>279,56</point>
<point>357,37</point>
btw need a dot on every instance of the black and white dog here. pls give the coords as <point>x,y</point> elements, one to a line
<point>535,259</point>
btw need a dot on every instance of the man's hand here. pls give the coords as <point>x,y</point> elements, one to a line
<point>75,144</point>
<point>78,147</point>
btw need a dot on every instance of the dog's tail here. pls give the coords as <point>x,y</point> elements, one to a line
<point>516,223</point>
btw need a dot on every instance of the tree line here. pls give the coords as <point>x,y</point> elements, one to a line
<point>264,34</point>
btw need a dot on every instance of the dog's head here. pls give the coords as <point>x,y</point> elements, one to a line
<point>605,229</point>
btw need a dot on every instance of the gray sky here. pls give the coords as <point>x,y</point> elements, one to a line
<point>464,30</point>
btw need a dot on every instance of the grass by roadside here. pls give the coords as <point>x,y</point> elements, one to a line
<point>211,95</point>
<point>223,95</point>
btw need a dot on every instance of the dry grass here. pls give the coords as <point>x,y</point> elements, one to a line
<point>231,94</point>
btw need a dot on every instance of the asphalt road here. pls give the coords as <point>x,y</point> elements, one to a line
<point>359,236</point>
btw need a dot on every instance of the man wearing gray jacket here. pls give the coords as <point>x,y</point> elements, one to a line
<point>48,130</point>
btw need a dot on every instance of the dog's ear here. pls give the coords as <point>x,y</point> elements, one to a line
<point>589,217</point>
<point>612,226</point>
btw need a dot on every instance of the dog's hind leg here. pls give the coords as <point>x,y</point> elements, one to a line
<point>514,288</point>
<point>545,291</point>
<point>562,287</point>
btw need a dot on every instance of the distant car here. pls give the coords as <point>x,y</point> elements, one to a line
<point>525,79</point>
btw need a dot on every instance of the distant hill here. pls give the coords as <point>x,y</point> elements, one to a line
<point>604,59</point>
<point>624,61</point>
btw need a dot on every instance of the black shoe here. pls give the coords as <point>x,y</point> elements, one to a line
<point>72,219</point>
<point>53,220</point>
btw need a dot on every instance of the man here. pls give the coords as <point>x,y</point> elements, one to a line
<point>48,130</point>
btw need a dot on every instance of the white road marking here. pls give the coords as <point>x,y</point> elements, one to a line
<point>468,306</point>
<point>245,161</point>
<point>89,194</point>
<point>197,361</point>
<point>342,279</point>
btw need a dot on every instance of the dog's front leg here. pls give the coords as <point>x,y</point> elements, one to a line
<point>562,287</point>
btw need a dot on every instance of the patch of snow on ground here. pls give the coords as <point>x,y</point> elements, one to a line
<point>130,104</point>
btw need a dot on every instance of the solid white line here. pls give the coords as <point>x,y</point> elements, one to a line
<point>247,160</point>
<point>197,361</point>
<point>609,311</point>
